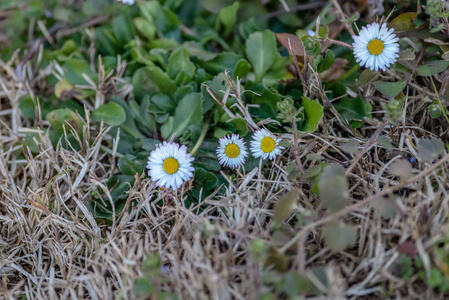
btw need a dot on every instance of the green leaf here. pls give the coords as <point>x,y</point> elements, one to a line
<point>284,207</point>
<point>403,22</point>
<point>178,62</point>
<point>146,28</point>
<point>28,107</point>
<point>167,128</point>
<point>351,109</point>
<point>228,16</point>
<point>152,80</point>
<point>339,236</point>
<point>75,68</point>
<point>314,113</point>
<point>241,126</point>
<point>261,52</point>
<point>433,67</point>
<point>366,77</point>
<point>129,165</point>
<point>430,149</point>
<point>129,126</point>
<point>187,113</point>
<point>60,117</point>
<point>224,61</point>
<point>197,50</point>
<point>111,113</point>
<point>242,68</point>
<point>327,62</point>
<point>390,89</point>
<point>123,29</point>
<point>143,287</point>
<point>333,187</point>
<point>163,102</point>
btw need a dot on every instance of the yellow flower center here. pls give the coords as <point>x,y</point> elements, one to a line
<point>170,165</point>
<point>267,144</point>
<point>375,47</point>
<point>232,150</point>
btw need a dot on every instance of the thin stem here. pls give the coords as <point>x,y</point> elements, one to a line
<point>336,42</point>
<point>201,138</point>
<point>439,100</point>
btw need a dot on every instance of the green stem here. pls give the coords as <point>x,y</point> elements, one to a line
<point>349,73</point>
<point>439,101</point>
<point>201,138</point>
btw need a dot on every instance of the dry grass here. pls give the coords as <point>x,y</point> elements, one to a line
<point>51,246</point>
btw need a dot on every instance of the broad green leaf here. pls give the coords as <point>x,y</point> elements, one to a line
<point>29,141</point>
<point>242,68</point>
<point>284,207</point>
<point>403,22</point>
<point>178,62</point>
<point>228,16</point>
<point>433,67</point>
<point>60,117</point>
<point>276,260</point>
<point>74,70</point>
<point>105,42</point>
<point>430,149</point>
<point>188,112</point>
<point>111,113</point>
<point>129,126</point>
<point>130,165</point>
<point>167,128</point>
<point>145,27</point>
<point>163,102</point>
<point>351,109</point>
<point>390,89</point>
<point>28,107</point>
<point>123,29</point>
<point>385,207</point>
<point>224,61</point>
<point>366,77</point>
<point>261,52</point>
<point>314,113</point>
<point>241,126</point>
<point>333,187</point>
<point>339,236</point>
<point>327,62</point>
<point>143,287</point>
<point>197,50</point>
<point>152,80</point>
<point>277,71</point>
<point>63,89</point>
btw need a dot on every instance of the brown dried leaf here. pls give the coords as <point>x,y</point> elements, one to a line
<point>291,42</point>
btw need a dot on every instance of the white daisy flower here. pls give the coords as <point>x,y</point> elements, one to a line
<point>129,2</point>
<point>265,145</point>
<point>170,165</point>
<point>232,151</point>
<point>376,47</point>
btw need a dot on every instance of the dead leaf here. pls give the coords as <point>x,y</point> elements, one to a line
<point>291,41</point>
